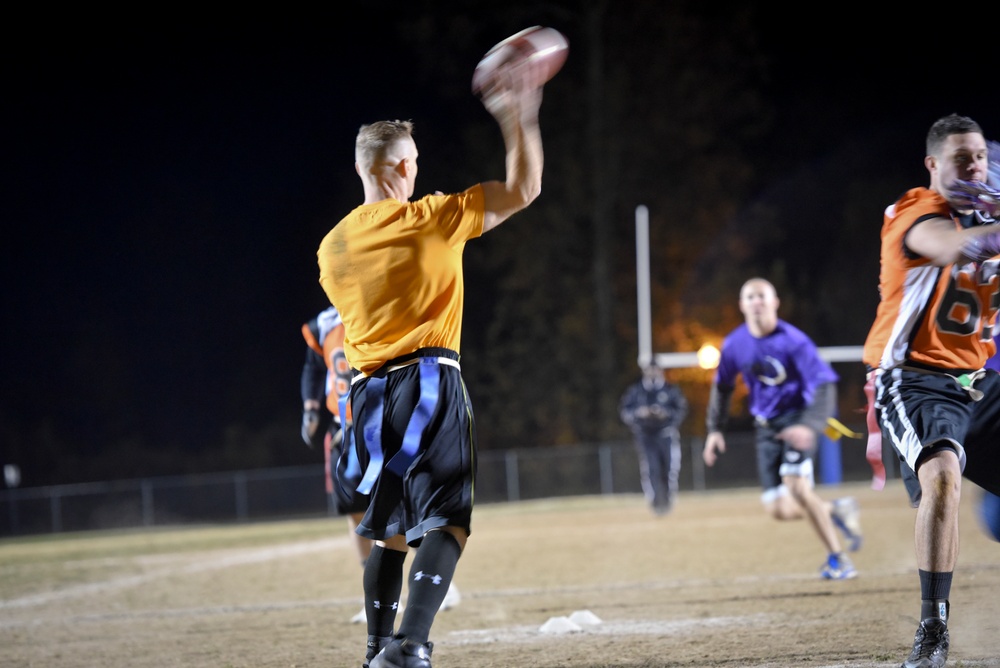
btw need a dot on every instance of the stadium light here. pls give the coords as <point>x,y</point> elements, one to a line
<point>708,356</point>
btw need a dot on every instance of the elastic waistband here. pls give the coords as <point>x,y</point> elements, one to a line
<point>778,422</point>
<point>440,355</point>
<point>965,378</point>
<point>917,367</point>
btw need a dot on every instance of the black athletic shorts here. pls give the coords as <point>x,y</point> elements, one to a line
<point>776,459</point>
<point>345,474</point>
<point>920,411</point>
<point>435,488</point>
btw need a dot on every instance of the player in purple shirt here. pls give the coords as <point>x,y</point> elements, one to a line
<point>792,392</point>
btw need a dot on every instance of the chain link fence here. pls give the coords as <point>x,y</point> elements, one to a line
<point>299,492</point>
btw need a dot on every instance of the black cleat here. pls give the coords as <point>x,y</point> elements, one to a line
<point>930,645</point>
<point>404,653</point>
<point>375,645</point>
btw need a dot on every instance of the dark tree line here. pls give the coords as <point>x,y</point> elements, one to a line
<point>679,107</point>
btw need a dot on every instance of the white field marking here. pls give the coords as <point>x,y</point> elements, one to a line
<point>259,555</point>
<point>523,634</point>
<point>239,558</point>
<point>964,663</point>
<point>179,613</point>
<point>526,634</point>
<point>677,583</point>
<point>516,634</point>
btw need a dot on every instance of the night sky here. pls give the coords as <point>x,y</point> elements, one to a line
<point>166,187</point>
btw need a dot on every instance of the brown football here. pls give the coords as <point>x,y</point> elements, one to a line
<point>535,55</point>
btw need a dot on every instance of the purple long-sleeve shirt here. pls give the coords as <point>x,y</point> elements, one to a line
<point>781,370</point>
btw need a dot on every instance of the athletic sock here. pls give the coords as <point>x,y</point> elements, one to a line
<point>430,576</point>
<point>383,583</point>
<point>935,588</point>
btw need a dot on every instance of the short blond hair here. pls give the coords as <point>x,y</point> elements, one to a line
<point>375,139</point>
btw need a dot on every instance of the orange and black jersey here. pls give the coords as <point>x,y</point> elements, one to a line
<point>324,335</point>
<point>941,317</point>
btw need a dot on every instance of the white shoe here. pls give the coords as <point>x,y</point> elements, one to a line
<point>838,567</point>
<point>360,618</point>
<point>451,599</point>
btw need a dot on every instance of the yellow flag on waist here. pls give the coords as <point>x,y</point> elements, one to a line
<point>835,429</point>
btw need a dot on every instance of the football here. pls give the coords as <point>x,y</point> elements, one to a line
<point>532,56</point>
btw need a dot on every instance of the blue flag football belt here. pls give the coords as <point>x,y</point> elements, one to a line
<point>430,379</point>
<point>347,439</point>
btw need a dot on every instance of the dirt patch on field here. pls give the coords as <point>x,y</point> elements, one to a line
<point>716,583</point>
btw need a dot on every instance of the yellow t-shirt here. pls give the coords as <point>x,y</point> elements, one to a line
<point>394,272</point>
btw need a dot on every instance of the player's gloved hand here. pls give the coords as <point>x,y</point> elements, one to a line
<point>994,158</point>
<point>980,249</point>
<point>975,195</point>
<point>310,425</point>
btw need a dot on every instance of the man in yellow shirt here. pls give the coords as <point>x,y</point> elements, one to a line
<point>393,269</point>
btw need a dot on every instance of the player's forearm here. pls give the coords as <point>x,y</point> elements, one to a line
<point>525,161</point>
<point>516,112</point>
<point>717,414</point>
<point>312,388</point>
<point>823,406</point>
<point>940,242</point>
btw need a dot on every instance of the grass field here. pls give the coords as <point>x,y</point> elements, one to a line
<point>716,583</point>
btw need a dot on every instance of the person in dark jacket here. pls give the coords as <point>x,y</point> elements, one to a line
<point>653,409</point>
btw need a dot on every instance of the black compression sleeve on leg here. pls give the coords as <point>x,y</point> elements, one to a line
<point>430,576</point>
<point>383,583</point>
<point>935,588</point>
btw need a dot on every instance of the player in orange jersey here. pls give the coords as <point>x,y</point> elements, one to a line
<point>326,380</point>
<point>935,403</point>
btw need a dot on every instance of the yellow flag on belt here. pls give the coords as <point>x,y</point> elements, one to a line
<point>835,429</point>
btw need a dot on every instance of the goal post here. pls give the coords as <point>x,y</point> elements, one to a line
<point>684,360</point>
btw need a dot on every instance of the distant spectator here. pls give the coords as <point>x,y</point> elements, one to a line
<point>653,409</point>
